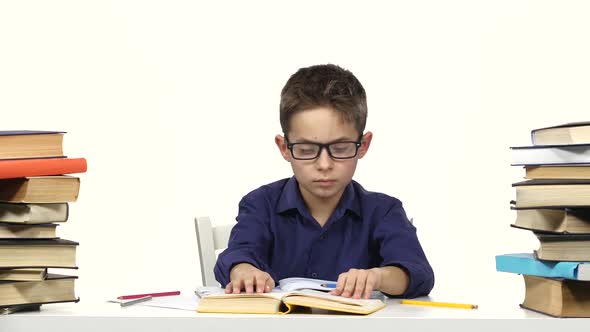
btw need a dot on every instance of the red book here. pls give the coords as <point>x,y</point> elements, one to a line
<point>19,168</point>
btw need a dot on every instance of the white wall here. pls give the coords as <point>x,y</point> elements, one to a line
<point>161,97</point>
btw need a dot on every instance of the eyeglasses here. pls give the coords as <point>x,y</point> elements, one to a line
<point>336,150</point>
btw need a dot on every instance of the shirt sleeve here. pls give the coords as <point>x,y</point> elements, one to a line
<point>250,239</point>
<point>399,246</point>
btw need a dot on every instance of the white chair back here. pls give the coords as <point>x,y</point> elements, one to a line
<point>210,240</point>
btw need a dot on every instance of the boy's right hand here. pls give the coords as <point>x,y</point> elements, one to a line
<point>247,277</point>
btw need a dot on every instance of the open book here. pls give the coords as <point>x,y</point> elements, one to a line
<point>282,302</point>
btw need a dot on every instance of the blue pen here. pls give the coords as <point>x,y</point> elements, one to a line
<point>329,285</point>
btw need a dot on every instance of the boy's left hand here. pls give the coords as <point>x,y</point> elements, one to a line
<point>358,283</point>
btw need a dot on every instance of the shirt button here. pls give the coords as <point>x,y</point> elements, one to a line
<point>314,275</point>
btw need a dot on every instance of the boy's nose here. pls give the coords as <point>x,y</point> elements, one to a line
<point>324,160</point>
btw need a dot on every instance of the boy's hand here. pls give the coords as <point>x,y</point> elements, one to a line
<point>358,283</point>
<point>247,277</point>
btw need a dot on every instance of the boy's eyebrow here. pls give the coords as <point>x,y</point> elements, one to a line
<point>339,139</point>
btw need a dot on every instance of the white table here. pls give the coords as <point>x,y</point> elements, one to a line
<point>100,316</point>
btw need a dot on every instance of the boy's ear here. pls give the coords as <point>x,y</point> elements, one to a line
<point>282,145</point>
<point>365,143</point>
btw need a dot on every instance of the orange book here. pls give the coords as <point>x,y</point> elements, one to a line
<point>19,168</point>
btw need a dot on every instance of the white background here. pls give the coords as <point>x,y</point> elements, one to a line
<point>175,106</point>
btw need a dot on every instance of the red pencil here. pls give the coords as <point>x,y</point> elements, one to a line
<point>136,296</point>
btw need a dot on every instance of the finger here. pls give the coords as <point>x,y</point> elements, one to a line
<point>369,286</point>
<point>270,284</point>
<point>237,286</point>
<point>228,288</point>
<point>350,284</point>
<point>339,284</point>
<point>249,285</point>
<point>260,283</point>
<point>359,287</point>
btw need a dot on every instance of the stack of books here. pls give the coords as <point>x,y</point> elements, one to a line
<point>34,196</point>
<point>554,203</point>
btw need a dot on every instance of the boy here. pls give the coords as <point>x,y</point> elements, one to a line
<point>320,223</point>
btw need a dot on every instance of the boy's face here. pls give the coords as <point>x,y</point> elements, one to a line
<point>322,178</point>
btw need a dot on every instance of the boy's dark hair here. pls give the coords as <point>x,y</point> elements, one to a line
<point>324,86</point>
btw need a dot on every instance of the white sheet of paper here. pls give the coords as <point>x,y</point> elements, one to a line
<point>209,290</point>
<point>180,302</point>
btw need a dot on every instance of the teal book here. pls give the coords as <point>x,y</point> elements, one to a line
<point>528,264</point>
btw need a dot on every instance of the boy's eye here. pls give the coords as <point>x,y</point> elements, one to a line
<point>342,148</point>
<point>306,149</point>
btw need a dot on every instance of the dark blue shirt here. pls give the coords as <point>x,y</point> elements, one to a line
<point>276,233</point>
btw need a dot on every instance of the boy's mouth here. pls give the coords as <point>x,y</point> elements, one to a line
<point>325,182</point>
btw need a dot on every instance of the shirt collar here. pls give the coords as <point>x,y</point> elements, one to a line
<point>291,199</point>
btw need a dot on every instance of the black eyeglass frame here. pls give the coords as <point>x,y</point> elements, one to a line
<point>357,143</point>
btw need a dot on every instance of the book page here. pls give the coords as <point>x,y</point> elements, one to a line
<point>310,302</point>
<point>291,284</point>
<point>296,284</point>
<point>333,298</point>
<point>279,293</point>
<point>219,293</point>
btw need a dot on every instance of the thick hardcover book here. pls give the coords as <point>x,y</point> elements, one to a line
<point>551,155</point>
<point>556,220</point>
<point>54,289</point>
<point>557,297</point>
<point>37,274</point>
<point>558,172</point>
<point>21,231</point>
<point>569,133</point>
<point>564,247</point>
<point>527,263</point>
<point>280,302</point>
<point>40,189</point>
<point>37,253</point>
<point>10,169</point>
<point>33,213</point>
<point>552,193</point>
<point>21,144</point>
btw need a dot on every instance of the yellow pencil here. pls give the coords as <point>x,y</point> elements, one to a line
<point>440,304</point>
